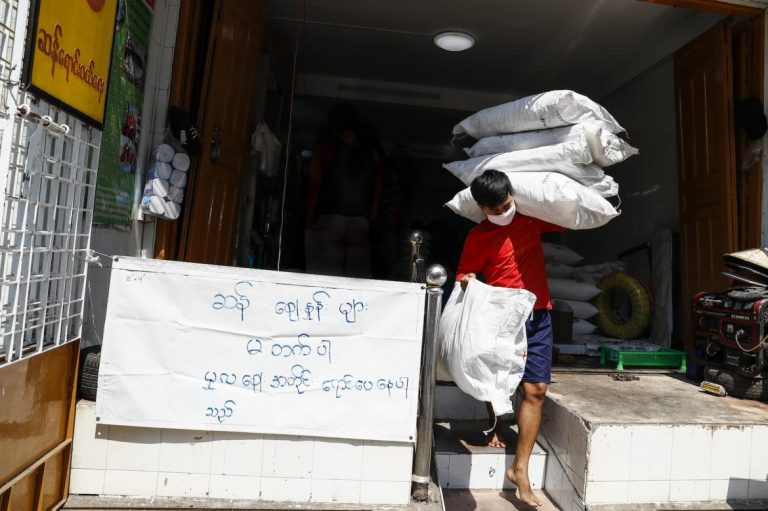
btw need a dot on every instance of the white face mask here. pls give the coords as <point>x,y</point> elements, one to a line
<point>505,218</point>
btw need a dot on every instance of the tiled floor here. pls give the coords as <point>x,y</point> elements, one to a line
<point>491,500</point>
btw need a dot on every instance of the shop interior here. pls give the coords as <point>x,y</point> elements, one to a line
<point>381,59</point>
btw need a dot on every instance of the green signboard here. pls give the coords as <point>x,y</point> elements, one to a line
<point>122,123</point>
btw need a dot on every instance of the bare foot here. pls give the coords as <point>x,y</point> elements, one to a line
<point>520,479</point>
<point>494,440</point>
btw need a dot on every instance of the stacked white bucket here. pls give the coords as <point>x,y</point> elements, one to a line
<point>556,172</point>
<point>166,181</point>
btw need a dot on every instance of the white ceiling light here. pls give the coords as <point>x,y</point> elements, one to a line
<point>454,41</point>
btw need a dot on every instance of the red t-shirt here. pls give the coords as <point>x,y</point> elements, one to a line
<point>509,256</point>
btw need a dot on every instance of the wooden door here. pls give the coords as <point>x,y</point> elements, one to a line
<point>748,55</point>
<point>706,163</point>
<point>234,52</point>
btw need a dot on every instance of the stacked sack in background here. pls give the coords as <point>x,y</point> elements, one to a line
<point>166,180</point>
<point>556,172</point>
<point>576,285</point>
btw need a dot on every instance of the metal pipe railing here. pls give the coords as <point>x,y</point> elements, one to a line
<point>417,262</point>
<point>435,278</point>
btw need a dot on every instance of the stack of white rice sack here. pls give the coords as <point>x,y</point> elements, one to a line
<point>556,172</point>
<point>576,285</point>
<point>166,181</point>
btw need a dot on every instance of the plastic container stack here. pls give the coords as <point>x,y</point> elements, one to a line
<point>166,181</point>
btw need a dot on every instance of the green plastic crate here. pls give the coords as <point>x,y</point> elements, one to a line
<point>665,357</point>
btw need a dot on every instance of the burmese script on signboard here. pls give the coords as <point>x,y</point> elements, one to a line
<point>201,347</point>
<point>68,54</point>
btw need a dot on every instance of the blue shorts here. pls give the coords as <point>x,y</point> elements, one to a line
<point>538,364</point>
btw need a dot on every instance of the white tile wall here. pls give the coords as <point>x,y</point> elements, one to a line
<point>691,453</point>
<point>578,440</point>
<point>176,484</point>
<point>555,482</point>
<point>132,483</point>
<point>236,454</point>
<point>335,490</point>
<point>443,463</point>
<point>287,457</point>
<point>387,462</point>
<point>731,450</point>
<point>758,489</point>
<point>651,457</point>
<point>576,503</point>
<point>338,459</point>
<point>281,489</point>
<point>729,489</point>
<point>234,487</point>
<point>688,491</point>
<point>143,462</point>
<point>648,491</point>
<point>95,436</point>
<point>133,448</point>
<point>607,492</point>
<point>185,451</point>
<point>758,471</point>
<point>485,471</point>
<point>84,481</point>
<point>610,450</point>
<point>458,471</point>
<point>385,492</point>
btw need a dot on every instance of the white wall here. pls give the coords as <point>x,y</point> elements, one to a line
<point>139,240</point>
<point>648,181</point>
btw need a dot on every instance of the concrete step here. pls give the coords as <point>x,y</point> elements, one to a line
<point>492,500</point>
<point>464,461</point>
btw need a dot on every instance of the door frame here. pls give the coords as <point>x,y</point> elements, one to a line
<point>190,41</point>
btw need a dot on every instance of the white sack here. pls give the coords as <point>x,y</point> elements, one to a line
<point>581,309</point>
<point>483,343</point>
<point>594,272</point>
<point>567,289</point>
<point>583,327</point>
<point>542,111</point>
<point>605,148</point>
<point>606,187</point>
<point>561,254</point>
<point>550,197</point>
<point>568,159</point>
<point>559,270</point>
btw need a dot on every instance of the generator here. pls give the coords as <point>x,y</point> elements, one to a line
<point>731,326</point>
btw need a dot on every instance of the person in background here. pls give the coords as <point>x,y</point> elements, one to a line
<point>506,248</point>
<point>343,196</point>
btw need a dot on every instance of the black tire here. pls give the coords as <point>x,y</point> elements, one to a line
<point>736,385</point>
<point>89,377</point>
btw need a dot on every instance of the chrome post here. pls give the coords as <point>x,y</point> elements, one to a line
<point>417,262</point>
<point>435,277</point>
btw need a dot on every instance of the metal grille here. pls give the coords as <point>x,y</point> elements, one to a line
<point>8,13</point>
<point>45,232</point>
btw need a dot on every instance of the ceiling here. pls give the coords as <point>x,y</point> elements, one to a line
<point>522,46</point>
